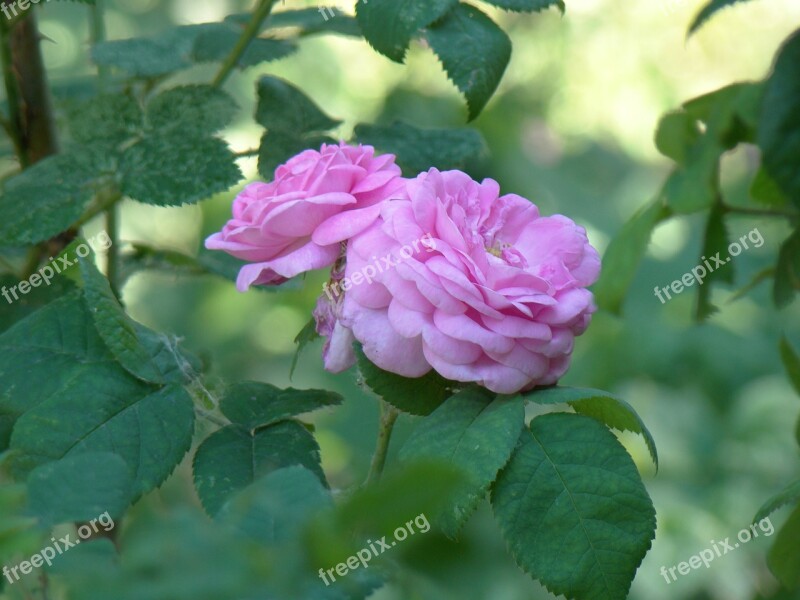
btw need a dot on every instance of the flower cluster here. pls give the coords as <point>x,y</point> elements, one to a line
<point>495,294</point>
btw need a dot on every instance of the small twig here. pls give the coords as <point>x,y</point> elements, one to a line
<point>763,212</point>
<point>250,32</point>
<point>388,418</point>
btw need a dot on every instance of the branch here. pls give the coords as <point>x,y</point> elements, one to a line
<point>249,33</point>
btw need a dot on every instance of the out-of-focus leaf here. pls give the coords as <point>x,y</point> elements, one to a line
<point>708,11</point>
<point>791,362</point>
<point>789,495</point>
<point>279,146</point>
<point>787,272</point>
<point>784,556</point>
<point>715,243</point>
<point>677,132</point>
<point>528,5</point>
<point>284,107</point>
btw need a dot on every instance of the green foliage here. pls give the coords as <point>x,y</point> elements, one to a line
<point>708,11</point>
<point>716,241</point>
<point>476,435</point>
<point>418,150</point>
<point>252,404</point>
<point>416,396</point>
<point>572,508</point>
<point>791,362</point>
<point>779,124</point>
<point>784,556</point>
<point>787,271</point>
<point>234,457</point>
<point>606,408</point>
<point>789,495</point>
<point>474,52</point>
<point>528,5</point>
<point>191,108</point>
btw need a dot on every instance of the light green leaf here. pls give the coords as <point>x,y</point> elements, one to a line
<point>474,52</point>
<point>779,125</point>
<point>573,509</point>
<point>196,108</point>
<point>80,488</point>
<point>474,434</point>
<point>603,406</point>
<point>789,495</point>
<point>390,25</point>
<point>677,132</point>
<point>232,458</point>
<point>418,150</point>
<point>624,254</point>
<point>174,168</point>
<point>417,396</point>
<point>784,556</point>
<point>253,404</point>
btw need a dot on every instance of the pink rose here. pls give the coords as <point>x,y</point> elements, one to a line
<point>496,296</point>
<point>296,222</point>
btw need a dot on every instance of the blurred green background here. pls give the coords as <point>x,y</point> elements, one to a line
<point>571,128</point>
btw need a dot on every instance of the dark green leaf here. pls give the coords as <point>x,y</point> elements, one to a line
<point>284,107</point>
<point>418,150</point>
<point>108,120</point>
<point>390,25</point>
<point>217,45</point>
<point>279,146</point>
<point>789,495</point>
<point>787,272</point>
<point>54,192</point>
<point>528,5</point>
<point>573,509</point>
<point>196,108</point>
<point>784,556</point>
<point>474,434</point>
<point>474,52</point>
<point>606,408</point>
<point>232,458</point>
<point>417,396</point>
<point>80,488</point>
<point>108,411</point>
<point>779,125</point>
<point>308,21</point>
<point>624,254</point>
<point>175,168</point>
<point>708,11</point>
<point>791,362</point>
<point>715,243</point>
<point>252,404</point>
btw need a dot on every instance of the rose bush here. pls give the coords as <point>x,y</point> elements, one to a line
<point>296,223</point>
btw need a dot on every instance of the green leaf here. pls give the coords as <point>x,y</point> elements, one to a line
<point>573,509</point>
<point>791,362</point>
<point>108,411</point>
<point>308,21</point>
<point>789,495</point>
<point>784,556</point>
<point>418,150</point>
<point>708,11</point>
<point>416,396</point>
<point>253,404</point>
<point>54,192</point>
<point>114,326</point>
<point>474,434</point>
<point>528,5</point>
<point>693,185</point>
<point>677,132</point>
<point>284,107</point>
<point>108,120</point>
<point>279,146</point>
<point>232,458</point>
<point>764,190</point>
<point>198,109</point>
<point>779,125</point>
<point>715,242</point>
<point>277,507</point>
<point>49,351</point>
<point>217,45</point>
<point>474,52</point>
<point>306,335</point>
<point>80,488</point>
<point>603,406</point>
<point>390,25</point>
<point>787,272</point>
<point>174,168</point>
<point>623,255</point>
